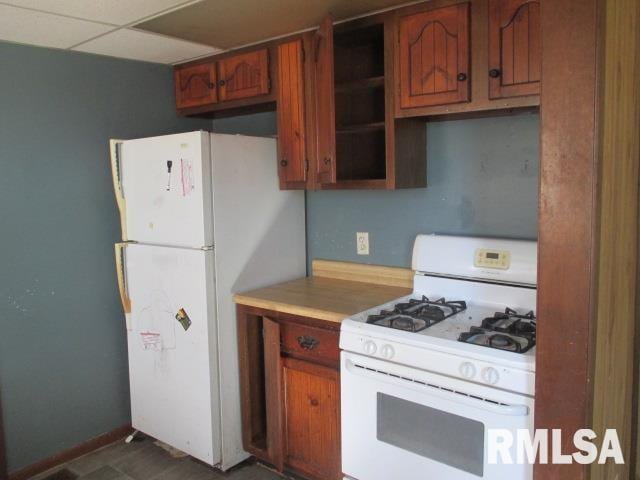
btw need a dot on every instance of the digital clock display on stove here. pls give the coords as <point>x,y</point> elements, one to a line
<point>492,259</point>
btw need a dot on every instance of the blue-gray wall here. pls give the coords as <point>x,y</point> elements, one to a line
<point>63,363</point>
<point>63,360</point>
<point>482,177</point>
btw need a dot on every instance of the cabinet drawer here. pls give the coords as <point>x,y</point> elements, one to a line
<point>311,343</point>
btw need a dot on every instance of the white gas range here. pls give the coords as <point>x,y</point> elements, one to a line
<point>424,378</point>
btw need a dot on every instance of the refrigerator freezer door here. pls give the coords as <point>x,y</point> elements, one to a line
<point>173,361</point>
<point>166,190</point>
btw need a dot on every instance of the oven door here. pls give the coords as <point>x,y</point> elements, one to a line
<point>398,422</point>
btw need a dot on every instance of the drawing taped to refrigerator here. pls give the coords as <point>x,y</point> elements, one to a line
<point>184,254</point>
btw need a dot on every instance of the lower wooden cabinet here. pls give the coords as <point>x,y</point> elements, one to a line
<point>290,390</point>
<point>311,404</point>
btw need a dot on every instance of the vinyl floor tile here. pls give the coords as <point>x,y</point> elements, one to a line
<point>106,456</point>
<point>105,473</point>
<point>145,461</point>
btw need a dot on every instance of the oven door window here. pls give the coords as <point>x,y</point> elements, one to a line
<point>446,438</point>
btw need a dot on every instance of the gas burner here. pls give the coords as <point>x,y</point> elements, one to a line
<point>417,314</point>
<point>509,331</point>
<point>512,323</point>
<point>500,341</point>
<point>398,321</point>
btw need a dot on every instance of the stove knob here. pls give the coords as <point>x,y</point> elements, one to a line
<point>490,375</point>
<point>467,370</point>
<point>369,347</point>
<point>387,352</point>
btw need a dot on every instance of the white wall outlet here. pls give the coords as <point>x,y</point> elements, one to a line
<point>362,243</point>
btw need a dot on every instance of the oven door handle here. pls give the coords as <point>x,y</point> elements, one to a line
<point>439,391</point>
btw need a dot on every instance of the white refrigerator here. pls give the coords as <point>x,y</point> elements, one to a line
<point>202,218</point>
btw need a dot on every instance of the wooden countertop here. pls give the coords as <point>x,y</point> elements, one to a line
<point>335,291</point>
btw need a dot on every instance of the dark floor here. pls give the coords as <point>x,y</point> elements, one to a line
<point>143,460</point>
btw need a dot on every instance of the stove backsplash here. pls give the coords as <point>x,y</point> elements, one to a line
<point>482,180</point>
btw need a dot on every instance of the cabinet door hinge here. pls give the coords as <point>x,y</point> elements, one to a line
<point>269,84</point>
<point>304,55</point>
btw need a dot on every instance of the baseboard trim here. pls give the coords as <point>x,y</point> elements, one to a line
<point>71,454</point>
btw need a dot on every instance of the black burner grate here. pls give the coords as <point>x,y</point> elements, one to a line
<point>417,314</point>
<point>508,331</point>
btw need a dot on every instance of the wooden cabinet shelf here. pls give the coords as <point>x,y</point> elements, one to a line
<point>356,130</point>
<point>360,127</point>
<point>360,84</point>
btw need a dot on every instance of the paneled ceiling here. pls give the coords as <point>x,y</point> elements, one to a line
<point>165,31</point>
<point>231,23</point>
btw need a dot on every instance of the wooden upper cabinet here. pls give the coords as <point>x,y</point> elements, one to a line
<point>196,85</point>
<point>325,165</point>
<point>291,116</point>
<point>514,48</point>
<point>434,57</point>
<point>244,75</point>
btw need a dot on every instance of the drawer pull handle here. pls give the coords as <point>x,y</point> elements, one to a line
<point>307,342</point>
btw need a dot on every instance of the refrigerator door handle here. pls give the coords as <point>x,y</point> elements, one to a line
<point>116,173</point>
<point>122,286</point>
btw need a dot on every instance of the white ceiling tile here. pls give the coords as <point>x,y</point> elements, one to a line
<point>117,12</point>
<point>44,29</point>
<point>137,45</point>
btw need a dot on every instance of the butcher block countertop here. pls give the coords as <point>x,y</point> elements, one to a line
<point>335,291</point>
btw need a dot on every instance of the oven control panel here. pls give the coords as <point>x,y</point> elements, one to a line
<point>488,258</point>
<point>482,372</point>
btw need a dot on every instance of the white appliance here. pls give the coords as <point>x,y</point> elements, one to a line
<point>202,218</point>
<point>417,403</point>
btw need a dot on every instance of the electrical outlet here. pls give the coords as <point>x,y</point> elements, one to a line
<point>362,243</point>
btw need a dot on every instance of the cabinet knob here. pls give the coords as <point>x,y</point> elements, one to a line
<point>327,160</point>
<point>462,77</point>
<point>284,162</point>
<point>211,86</point>
<point>307,342</point>
<point>494,73</point>
<point>222,83</point>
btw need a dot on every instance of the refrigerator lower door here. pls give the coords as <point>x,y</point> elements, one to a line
<point>173,361</point>
<point>164,189</point>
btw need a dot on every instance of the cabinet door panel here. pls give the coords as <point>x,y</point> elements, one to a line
<point>325,103</point>
<point>514,48</point>
<point>312,423</point>
<point>273,391</point>
<point>196,85</point>
<point>291,114</point>
<point>434,57</point>
<point>244,75</point>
